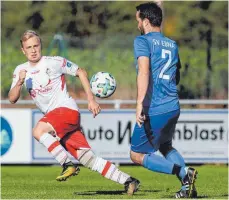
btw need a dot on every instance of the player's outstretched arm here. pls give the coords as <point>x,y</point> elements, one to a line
<point>93,106</point>
<point>15,92</point>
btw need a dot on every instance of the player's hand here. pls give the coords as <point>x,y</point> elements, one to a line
<point>22,75</point>
<point>139,117</point>
<point>94,107</point>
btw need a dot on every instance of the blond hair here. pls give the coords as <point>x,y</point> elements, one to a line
<point>27,35</point>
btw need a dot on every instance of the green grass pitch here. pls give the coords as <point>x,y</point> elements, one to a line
<point>38,182</point>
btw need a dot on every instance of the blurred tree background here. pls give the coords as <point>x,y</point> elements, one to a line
<point>99,37</point>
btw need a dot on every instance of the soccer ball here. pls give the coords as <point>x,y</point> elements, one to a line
<point>103,84</point>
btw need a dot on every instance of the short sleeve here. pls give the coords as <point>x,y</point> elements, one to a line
<point>65,66</point>
<point>15,78</point>
<point>141,47</point>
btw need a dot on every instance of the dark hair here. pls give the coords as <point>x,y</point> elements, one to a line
<point>152,12</point>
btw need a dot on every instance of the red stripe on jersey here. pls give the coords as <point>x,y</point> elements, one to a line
<point>53,146</point>
<point>64,63</point>
<point>62,81</point>
<point>107,166</point>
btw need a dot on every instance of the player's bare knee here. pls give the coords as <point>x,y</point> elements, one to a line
<point>37,133</point>
<point>136,157</point>
<point>132,157</point>
<point>40,129</point>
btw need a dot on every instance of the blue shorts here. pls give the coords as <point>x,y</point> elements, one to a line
<point>156,130</point>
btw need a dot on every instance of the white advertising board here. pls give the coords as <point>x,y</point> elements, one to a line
<point>16,136</point>
<point>201,135</point>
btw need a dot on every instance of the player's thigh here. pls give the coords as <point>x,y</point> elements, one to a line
<point>146,139</point>
<point>75,141</point>
<point>155,130</point>
<point>40,129</point>
<point>168,130</point>
<point>142,139</point>
<point>63,120</point>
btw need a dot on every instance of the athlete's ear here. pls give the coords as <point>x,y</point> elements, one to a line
<point>22,50</point>
<point>145,22</point>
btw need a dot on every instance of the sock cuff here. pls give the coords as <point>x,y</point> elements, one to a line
<point>145,159</point>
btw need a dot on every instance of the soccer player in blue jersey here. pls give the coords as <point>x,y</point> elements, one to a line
<point>158,106</point>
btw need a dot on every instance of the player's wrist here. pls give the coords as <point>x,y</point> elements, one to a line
<point>90,98</point>
<point>139,103</point>
<point>19,83</point>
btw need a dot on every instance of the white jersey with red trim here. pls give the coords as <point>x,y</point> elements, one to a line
<point>46,84</point>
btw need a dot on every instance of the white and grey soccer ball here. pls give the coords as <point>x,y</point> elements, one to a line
<point>103,84</point>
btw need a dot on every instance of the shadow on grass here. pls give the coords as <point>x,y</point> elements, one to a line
<point>217,196</point>
<point>113,192</point>
<point>201,196</point>
<point>223,195</point>
<point>173,196</point>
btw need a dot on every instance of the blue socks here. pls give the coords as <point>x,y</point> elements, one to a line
<point>175,157</point>
<point>157,164</point>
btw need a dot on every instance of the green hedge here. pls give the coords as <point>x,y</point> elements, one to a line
<point>120,63</point>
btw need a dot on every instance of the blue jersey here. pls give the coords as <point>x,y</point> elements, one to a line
<point>161,96</point>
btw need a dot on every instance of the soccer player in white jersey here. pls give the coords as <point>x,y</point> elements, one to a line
<point>59,129</point>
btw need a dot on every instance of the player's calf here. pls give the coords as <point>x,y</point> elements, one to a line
<point>108,170</point>
<point>61,156</point>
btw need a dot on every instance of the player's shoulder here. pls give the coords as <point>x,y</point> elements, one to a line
<point>53,58</point>
<point>21,66</point>
<point>54,61</point>
<point>170,40</point>
<point>140,39</point>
